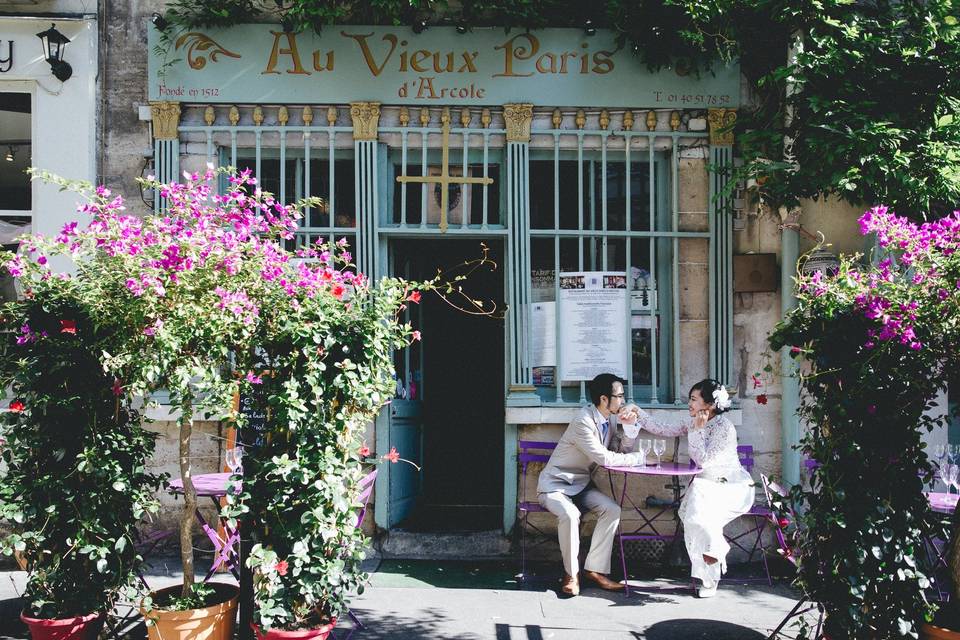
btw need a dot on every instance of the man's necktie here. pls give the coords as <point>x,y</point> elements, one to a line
<point>603,431</point>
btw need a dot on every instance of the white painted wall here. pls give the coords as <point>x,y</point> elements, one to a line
<point>64,114</point>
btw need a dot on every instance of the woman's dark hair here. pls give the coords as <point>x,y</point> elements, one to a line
<point>706,387</point>
<point>602,385</point>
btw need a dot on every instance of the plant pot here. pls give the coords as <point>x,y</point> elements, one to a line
<point>21,560</point>
<point>933,632</point>
<point>77,628</point>
<point>214,622</point>
<point>319,633</point>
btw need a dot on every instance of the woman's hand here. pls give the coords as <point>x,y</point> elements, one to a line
<point>700,420</point>
<point>628,414</point>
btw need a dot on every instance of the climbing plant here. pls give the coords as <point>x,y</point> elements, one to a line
<point>876,343</point>
<point>871,112</point>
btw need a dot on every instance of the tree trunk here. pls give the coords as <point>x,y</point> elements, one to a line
<point>189,497</point>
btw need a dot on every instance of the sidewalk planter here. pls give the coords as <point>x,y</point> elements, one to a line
<point>214,622</point>
<point>78,628</point>
<point>320,633</point>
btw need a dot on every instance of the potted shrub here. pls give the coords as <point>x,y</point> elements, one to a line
<point>73,485</point>
<point>876,342</point>
<point>182,287</point>
<point>328,350</point>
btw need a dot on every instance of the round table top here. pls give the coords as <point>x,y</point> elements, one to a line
<point>665,469</point>
<point>206,484</point>
<point>942,502</point>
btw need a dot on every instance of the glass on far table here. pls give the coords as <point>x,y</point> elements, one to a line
<point>954,480</point>
<point>234,459</point>
<point>943,472</point>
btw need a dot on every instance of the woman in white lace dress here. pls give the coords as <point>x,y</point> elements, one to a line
<point>722,492</point>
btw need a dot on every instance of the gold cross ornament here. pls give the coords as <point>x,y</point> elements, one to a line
<point>445,179</point>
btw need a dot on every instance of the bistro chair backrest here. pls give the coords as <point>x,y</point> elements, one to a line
<point>366,489</point>
<point>532,451</point>
<point>772,491</point>
<point>745,453</point>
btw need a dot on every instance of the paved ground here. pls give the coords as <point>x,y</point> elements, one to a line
<point>413,600</point>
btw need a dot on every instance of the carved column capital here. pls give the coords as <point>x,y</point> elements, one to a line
<point>721,123</point>
<point>518,118</point>
<point>166,119</point>
<point>366,119</point>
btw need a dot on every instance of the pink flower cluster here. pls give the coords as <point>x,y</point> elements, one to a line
<point>237,233</point>
<point>910,286</point>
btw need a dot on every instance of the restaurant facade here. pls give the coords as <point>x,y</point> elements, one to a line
<point>553,155</point>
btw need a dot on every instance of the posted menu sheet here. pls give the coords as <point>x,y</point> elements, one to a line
<point>593,324</point>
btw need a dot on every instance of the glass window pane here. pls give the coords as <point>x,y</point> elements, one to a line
<point>541,194</point>
<point>493,195</point>
<point>16,147</point>
<point>344,197</point>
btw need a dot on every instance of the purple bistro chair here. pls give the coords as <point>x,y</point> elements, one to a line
<point>366,490</point>
<point>761,516</point>
<point>529,451</point>
<point>786,549</point>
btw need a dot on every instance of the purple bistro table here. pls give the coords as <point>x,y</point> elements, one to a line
<point>944,504</point>
<point>214,486</point>
<point>647,529</point>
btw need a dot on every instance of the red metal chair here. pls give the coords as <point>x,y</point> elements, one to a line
<point>761,516</point>
<point>774,494</point>
<point>366,490</point>
<point>530,451</point>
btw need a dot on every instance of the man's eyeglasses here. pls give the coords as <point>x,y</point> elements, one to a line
<point>617,395</point>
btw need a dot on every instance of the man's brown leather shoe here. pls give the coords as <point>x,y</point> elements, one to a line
<point>602,581</point>
<point>570,586</point>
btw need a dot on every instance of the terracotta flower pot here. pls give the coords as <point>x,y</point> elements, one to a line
<point>78,628</point>
<point>319,633</point>
<point>933,632</point>
<point>215,622</point>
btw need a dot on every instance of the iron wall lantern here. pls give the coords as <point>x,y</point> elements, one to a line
<point>54,44</point>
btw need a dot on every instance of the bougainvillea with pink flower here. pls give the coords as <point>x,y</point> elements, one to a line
<point>876,342</point>
<point>196,289</point>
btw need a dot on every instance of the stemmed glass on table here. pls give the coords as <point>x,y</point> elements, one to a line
<point>645,445</point>
<point>234,460</point>
<point>659,447</point>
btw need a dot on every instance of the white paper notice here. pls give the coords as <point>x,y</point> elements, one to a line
<point>593,324</point>
<point>543,334</point>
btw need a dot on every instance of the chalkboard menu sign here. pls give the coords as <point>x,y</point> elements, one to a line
<point>253,406</point>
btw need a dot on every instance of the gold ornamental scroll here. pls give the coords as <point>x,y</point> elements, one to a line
<point>721,123</point>
<point>166,119</point>
<point>444,179</point>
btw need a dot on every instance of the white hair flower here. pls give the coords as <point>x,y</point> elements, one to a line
<point>721,398</point>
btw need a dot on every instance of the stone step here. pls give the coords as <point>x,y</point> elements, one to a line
<point>460,545</point>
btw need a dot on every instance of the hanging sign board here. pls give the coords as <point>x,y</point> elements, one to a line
<point>257,63</point>
<point>593,324</point>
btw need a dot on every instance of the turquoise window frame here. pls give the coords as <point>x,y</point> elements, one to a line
<point>575,395</point>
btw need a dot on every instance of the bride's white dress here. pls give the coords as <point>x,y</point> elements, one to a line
<point>722,492</point>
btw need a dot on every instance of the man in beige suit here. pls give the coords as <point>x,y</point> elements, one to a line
<point>592,439</point>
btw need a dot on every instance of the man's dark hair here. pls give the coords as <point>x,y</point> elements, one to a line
<point>602,385</point>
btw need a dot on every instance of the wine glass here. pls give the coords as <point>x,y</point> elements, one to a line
<point>659,446</point>
<point>943,472</point>
<point>645,446</point>
<point>234,460</point>
<point>939,453</point>
<point>954,479</point>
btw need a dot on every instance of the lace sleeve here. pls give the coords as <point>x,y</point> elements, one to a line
<point>662,428</point>
<point>719,439</point>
